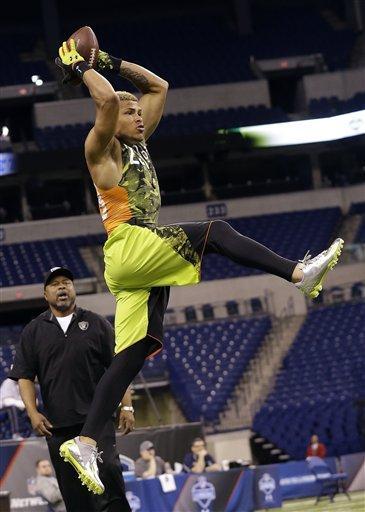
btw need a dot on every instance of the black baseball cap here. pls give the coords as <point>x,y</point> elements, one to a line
<point>57,271</point>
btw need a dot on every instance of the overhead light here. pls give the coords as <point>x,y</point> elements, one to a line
<point>39,81</point>
<point>34,78</point>
<point>4,131</point>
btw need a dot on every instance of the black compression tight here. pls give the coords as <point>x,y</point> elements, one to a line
<point>223,239</point>
<point>113,385</point>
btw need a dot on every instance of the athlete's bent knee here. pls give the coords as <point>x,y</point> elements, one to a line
<point>218,228</point>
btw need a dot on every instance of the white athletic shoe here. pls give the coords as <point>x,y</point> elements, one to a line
<point>83,457</point>
<point>315,269</point>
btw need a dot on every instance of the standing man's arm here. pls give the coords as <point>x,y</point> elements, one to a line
<point>152,470</point>
<point>126,415</point>
<point>24,370</point>
<point>199,465</point>
<point>39,422</point>
<point>153,88</point>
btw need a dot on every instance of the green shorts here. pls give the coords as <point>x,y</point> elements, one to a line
<point>140,265</point>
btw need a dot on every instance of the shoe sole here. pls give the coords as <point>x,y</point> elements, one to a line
<point>331,264</point>
<point>85,479</point>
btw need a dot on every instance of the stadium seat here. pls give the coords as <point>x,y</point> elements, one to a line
<point>321,378</point>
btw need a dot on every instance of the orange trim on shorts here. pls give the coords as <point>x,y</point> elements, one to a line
<point>156,351</point>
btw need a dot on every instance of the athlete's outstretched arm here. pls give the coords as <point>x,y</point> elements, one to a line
<point>153,88</point>
<point>154,92</point>
<point>106,102</point>
<point>107,111</point>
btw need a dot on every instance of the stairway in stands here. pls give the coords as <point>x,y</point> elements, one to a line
<point>93,258</point>
<point>256,382</point>
<point>349,228</point>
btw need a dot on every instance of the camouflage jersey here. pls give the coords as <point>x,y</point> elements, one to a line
<point>137,194</point>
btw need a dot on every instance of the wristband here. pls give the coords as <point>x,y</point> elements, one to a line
<point>108,62</point>
<point>128,408</point>
<point>80,67</point>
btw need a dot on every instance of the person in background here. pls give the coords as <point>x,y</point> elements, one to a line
<point>315,448</point>
<point>68,349</point>
<point>198,459</point>
<point>46,486</point>
<point>149,464</point>
<point>11,402</point>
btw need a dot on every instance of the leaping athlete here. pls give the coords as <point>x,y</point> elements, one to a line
<point>143,259</point>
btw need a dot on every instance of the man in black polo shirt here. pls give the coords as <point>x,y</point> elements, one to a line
<point>68,349</point>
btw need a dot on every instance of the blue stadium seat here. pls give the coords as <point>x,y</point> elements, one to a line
<point>321,378</point>
<point>27,262</point>
<point>206,362</point>
<point>333,106</point>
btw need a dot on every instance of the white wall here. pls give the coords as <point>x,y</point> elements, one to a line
<point>243,207</point>
<point>187,99</point>
<point>230,445</point>
<point>343,84</point>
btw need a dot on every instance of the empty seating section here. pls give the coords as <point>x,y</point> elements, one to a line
<point>61,198</point>
<point>317,388</point>
<point>62,137</point>
<point>189,123</point>
<point>208,49</point>
<point>181,184</point>
<point>201,49</point>
<point>26,263</point>
<point>10,210</point>
<point>9,337</point>
<point>205,48</point>
<point>289,234</point>
<point>359,209</point>
<point>210,121</point>
<point>21,71</point>
<point>206,362</point>
<point>333,106</point>
<point>360,235</point>
<point>155,369</point>
<point>297,30</point>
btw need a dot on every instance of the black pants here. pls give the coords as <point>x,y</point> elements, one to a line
<point>76,497</point>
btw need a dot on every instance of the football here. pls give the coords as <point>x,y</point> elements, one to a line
<point>86,44</point>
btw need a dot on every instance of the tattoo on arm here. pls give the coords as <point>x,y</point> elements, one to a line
<point>136,78</point>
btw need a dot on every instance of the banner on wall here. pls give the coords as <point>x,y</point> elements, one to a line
<point>298,481</point>
<point>209,492</point>
<point>267,487</point>
<point>18,473</point>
